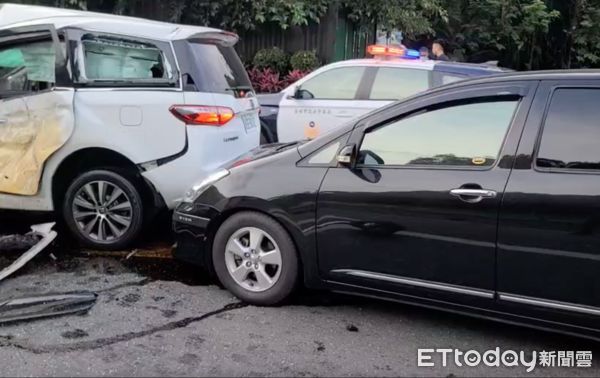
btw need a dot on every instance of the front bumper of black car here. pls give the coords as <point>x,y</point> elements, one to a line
<point>191,224</point>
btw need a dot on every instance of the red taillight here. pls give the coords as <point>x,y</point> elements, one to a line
<point>203,115</point>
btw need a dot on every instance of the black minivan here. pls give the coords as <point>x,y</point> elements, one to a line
<point>482,197</point>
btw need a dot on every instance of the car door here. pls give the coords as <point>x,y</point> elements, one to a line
<point>36,106</point>
<point>549,231</point>
<point>323,101</point>
<point>418,209</point>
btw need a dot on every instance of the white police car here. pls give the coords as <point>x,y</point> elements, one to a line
<point>339,92</point>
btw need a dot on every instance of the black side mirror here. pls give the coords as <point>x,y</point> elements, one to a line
<point>302,94</point>
<point>346,155</point>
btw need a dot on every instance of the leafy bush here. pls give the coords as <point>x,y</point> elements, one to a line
<point>294,76</point>
<point>304,61</point>
<point>273,58</point>
<point>266,80</point>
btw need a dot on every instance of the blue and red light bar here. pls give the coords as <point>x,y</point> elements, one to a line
<point>392,51</point>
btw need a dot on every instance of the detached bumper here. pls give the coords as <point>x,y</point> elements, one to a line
<point>191,224</point>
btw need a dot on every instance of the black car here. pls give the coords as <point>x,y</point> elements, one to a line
<point>482,197</point>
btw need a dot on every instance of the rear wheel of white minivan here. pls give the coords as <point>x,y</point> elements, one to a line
<point>103,209</point>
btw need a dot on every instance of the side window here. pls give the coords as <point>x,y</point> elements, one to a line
<point>397,83</point>
<point>326,155</point>
<point>112,58</point>
<point>27,66</point>
<point>469,135</point>
<point>571,133</point>
<point>449,78</point>
<point>335,84</point>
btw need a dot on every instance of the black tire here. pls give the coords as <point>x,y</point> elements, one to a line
<point>288,277</point>
<point>121,180</point>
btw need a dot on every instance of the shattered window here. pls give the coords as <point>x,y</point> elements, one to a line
<point>112,58</point>
<point>28,66</point>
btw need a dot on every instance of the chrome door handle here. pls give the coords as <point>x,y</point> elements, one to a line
<point>3,121</point>
<point>473,195</point>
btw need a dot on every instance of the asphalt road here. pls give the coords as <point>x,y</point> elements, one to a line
<point>156,317</point>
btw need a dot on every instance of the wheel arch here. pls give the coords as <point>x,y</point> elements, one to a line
<point>308,267</point>
<point>98,158</point>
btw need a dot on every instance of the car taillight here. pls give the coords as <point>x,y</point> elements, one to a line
<point>203,115</point>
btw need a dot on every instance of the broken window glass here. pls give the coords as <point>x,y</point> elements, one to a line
<point>27,66</point>
<point>113,58</point>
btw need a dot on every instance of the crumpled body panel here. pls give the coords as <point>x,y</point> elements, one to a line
<point>35,127</point>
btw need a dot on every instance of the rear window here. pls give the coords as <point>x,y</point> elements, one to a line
<point>571,133</point>
<point>220,69</point>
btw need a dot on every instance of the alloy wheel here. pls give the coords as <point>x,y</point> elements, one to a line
<point>102,211</point>
<point>253,259</point>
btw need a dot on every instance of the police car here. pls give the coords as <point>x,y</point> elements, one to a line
<point>339,92</point>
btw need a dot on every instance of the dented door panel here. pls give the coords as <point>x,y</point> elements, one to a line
<point>36,118</point>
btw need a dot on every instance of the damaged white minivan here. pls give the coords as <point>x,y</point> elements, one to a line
<point>105,119</point>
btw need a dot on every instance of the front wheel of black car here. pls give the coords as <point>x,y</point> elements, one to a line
<point>255,259</point>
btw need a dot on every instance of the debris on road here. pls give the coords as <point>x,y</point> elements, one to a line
<point>43,235</point>
<point>45,306</point>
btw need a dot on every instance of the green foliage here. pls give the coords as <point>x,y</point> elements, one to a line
<point>273,58</point>
<point>585,35</point>
<point>304,61</point>
<point>522,34</point>
<point>243,15</point>
<point>505,30</point>
<point>413,17</point>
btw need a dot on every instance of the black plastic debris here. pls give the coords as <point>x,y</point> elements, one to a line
<point>18,242</point>
<point>46,306</point>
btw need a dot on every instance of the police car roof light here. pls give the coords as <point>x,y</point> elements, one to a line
<point>392,51</point>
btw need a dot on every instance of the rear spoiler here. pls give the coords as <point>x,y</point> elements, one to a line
<point>223,38</point>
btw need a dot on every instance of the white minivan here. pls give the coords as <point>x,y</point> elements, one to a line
<point>105,119</point>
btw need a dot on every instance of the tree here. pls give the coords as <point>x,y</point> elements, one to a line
<point>412,17</point>
<point>504,30</point>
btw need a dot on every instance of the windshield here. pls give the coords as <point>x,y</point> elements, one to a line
<point>221,69</point>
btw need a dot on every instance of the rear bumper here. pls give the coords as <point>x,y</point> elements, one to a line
<point>208,149</point>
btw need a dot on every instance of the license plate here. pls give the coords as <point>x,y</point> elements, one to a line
<point>249,121</point>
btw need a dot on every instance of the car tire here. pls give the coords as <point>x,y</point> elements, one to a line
<point>249,250</point>
<point>112,222</point>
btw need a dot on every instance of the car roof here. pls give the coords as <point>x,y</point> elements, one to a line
<point>16,15</point>
<point>430,65</point>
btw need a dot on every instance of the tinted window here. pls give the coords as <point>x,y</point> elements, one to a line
<point>326,154</point>
<point>27,66</point>
<point>461,135</point>
<point>114,58</point>
<point>449,78</point>
<point>571,134</point>
<point>220,68</point>
<point>338,83</point>
<point>397,83</point>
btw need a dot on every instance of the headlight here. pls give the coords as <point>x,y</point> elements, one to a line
<point>196,190</point>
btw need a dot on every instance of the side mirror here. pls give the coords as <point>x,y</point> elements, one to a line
<point>301,94</point>
<point>346,155</point>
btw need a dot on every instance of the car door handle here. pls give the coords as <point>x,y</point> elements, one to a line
<point>473,195</point>
<point>3,121</point>
<point>345,115</point>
